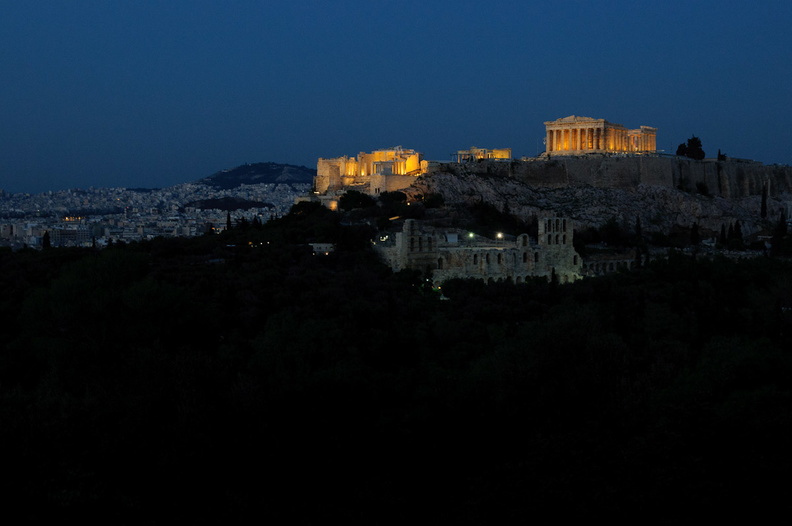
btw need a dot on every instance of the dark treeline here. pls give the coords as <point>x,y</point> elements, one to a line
<point>241,376</point>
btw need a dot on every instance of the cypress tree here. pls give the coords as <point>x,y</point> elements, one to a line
<point>763,211</point>
<point>781,228</point>
<point>735,237</point>
<point>779,233</point>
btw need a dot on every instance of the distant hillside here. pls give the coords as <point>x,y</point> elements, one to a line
<point>260,173</point>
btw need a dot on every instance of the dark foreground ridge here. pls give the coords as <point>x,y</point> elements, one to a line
<point>238,376</point>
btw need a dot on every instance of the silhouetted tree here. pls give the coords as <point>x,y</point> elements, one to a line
<point>779,235</point>
<point>434,201</point>
<point>392,198</point>
<point>695,237</point>
<point>781,227</point>
<point>763,212</point>
<point>723,239</point>
<point>242,223</point>
<point>612,233</point>
<point>45,240</point>
<point>228,221</point>
<point>694,149</point>
<point>354,199</point>
<point>735,236</point>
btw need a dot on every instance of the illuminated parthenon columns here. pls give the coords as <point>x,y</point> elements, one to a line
<point>578,135</point>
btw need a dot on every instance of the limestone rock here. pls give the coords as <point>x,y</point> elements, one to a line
<point>660,207</point>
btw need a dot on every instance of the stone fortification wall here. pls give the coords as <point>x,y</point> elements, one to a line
<point>389,183</point>
<point>328,175</point>
<point>729,179</point>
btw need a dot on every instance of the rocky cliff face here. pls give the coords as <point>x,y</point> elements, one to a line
<point>618,189</point>
<point>730,178</point>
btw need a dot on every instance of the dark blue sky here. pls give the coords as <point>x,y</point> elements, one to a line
<point>155,93</point>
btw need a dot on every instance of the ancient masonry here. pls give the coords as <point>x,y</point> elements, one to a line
<point>392,169</point>
<point>478,154</point>
<point>373,173</point>
<point>446,254</point>
<point>581,135</point>
<point>451,253</point>
<point>386,170</point>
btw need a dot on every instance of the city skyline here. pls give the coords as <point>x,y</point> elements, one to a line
<point>148,94</point>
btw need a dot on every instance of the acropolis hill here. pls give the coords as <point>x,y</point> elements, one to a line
<point>725,178</point>
<point>665,193</point>
<point>582,155</point>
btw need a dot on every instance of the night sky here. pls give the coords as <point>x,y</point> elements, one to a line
<point>155,93</point>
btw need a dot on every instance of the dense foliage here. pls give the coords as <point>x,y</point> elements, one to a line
<point>691,149</point>
<point>241,375</point>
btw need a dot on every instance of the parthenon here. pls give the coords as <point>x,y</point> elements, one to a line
<point>575,135</point>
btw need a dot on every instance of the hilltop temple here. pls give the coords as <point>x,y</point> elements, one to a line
<point>396,168</point>
<point>581,135</point>
<point>372,173</point>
